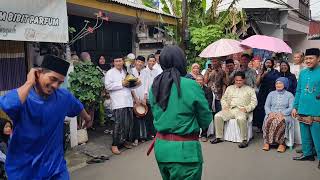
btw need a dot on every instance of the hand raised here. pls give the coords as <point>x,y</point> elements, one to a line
<point>31,77</point>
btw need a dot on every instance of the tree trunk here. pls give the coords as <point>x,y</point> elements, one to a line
<point>184,23</point>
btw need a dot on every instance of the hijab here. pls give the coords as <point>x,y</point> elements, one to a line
<point>173,62</point>
<point>285,82</point>
<point>3,137</point>
<point>105,66</point>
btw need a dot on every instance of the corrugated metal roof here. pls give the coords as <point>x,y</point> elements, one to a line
<point>138,4</point>
<point>314,29</point>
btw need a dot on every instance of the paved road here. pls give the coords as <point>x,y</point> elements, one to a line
<point>222,162</point>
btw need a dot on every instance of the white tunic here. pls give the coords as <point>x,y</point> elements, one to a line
<point>296,68</point>
<point>142,90</point>
<point>120,96</point>
<point>158,68</point>
<point>151,74</point>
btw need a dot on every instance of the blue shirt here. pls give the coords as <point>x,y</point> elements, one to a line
<point>36,147</point>
<point>307,90</point>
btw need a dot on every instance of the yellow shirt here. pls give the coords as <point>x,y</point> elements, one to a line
<point>243,97</point>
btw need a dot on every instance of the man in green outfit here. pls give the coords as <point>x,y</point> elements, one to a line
<point>180,109</point>
<point>307,106</point>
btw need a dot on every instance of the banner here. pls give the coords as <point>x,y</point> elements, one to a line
<point>34,20</point>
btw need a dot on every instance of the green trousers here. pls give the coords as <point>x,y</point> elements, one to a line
<point>180,171</point>
<point>310,136</point>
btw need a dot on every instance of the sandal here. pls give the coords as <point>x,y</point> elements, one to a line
<point>216,141</point>
<point>281,148</point>
<point>136,143</point>
<point>95,160</point>
<point>104,157</point>
<point>266,147</point>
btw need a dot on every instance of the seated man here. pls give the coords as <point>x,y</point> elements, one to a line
<point>237,102</point>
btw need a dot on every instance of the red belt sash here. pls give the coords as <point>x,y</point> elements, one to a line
<point>173,137</point>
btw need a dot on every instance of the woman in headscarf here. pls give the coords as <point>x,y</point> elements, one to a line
<point>278,121</point>
<point>104,67</point>
<point>286,72</point>
<point>266,80</point>
<point>6,130</point>
<point>180,109</point>
<point>195,71</point>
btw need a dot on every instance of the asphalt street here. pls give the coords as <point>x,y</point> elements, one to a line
<point>223,161</point>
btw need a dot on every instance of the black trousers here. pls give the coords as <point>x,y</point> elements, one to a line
<point>139,128</point>
<point>123,125</point>
<point>151,131</point>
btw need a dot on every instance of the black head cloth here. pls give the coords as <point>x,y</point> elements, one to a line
<point>173,63</point>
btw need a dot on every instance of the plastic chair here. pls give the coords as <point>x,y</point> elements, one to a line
<point>232,131</point>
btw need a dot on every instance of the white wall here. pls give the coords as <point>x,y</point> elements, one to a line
<point>248,4</point>
<point>301,43</point>
<point>271,30</point>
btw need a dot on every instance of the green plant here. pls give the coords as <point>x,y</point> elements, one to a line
<point>150,3</point>
<point>86,84</point>
<point>203,36</point>
<point>209,26</point>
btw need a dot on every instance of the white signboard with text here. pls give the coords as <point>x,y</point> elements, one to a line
<point>34,20</point>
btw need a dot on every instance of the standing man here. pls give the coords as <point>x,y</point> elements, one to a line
<point>307,105</point>
<point>250,74</point>
<point>122,103</point>
<point>140,97</point>
<point>297,66</point>
<point>151,73</point>
<point>216,80</point>
<point>230,70</point>
<point>238,101</point>
<point>256,64</point>
<point>157,65</point>
<point>38,109</point>
<point>180,110</point>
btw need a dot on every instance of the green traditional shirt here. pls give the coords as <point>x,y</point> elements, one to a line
<point>307,90</point>
<point>184,115</point>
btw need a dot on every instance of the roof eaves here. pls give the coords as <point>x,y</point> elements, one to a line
<point>141,6</point>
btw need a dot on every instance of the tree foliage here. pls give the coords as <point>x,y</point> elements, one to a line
<point>209,26</point>
<point>86,84</point>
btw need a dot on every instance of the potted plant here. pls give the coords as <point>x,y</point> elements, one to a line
<point>86,84</point>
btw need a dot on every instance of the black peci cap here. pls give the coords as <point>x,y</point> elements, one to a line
<point>313,51</point>
<point>55,64</point>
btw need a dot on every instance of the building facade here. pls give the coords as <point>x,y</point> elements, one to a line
<point>285,19</point>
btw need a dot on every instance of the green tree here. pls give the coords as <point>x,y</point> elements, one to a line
<point>209,26</point>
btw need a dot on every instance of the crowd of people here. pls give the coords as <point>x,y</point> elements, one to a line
<point>234,89</point>
<point>176,105</point>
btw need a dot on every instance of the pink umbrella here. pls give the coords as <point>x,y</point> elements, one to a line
<point>267,43</point>
<point>222,47</point>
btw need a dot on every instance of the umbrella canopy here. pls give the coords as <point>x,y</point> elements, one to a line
<point>267,43</point>
<point>222,47</point>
